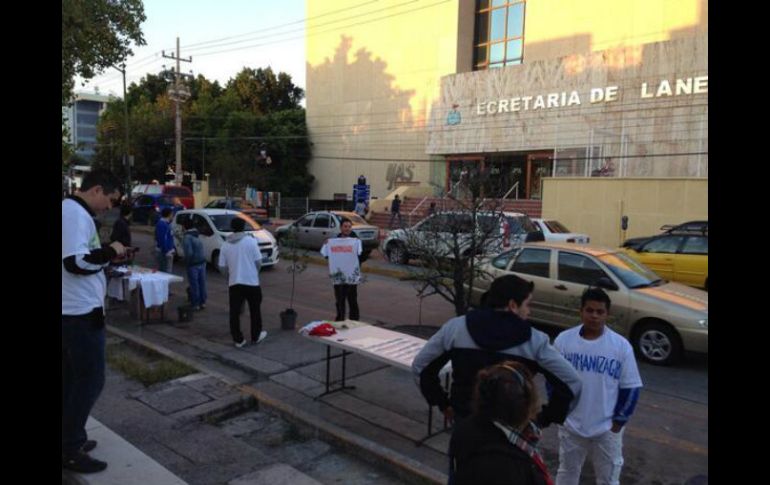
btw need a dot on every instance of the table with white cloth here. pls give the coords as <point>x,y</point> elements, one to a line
<point>145,288</point>
<point>387,346</point>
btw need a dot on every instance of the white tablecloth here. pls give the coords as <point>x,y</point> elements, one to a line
<point>154,285</point>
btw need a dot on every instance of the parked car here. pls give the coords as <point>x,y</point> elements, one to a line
<point>436,232</point>
<point>184,194</point>
<point>696,227</point>
<point>676,256</point>
<point>213,226</point>
<point>314,228</point>
<point>555,231</point>
<point>661,319</point>
<point>259,214</point>
<point>146,208</point>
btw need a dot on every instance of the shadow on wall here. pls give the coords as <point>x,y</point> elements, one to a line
<point>356,111</point>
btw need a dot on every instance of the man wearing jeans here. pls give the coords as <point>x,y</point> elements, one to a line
<point>164,241</point>
<point>605,363</point>
<point>241,258</point>
<point>195,262</point>
<point>83,288</point>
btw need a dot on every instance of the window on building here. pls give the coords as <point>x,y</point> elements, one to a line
<point>499,33</point>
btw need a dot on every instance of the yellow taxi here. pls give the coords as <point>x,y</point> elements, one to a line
<point>679,256</point>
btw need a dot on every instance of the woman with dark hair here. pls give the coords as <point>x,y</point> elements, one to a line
<point>497,443</point>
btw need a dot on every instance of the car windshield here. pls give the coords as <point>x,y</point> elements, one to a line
<point>222,222</point>
<point>556,227</point>
<point>632,273</point>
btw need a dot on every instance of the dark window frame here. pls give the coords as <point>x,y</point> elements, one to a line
<point>487,43</point>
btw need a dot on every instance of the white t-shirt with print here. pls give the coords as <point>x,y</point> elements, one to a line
<point>80,294</point>
<point>343,255</point>
<point>605,365</point>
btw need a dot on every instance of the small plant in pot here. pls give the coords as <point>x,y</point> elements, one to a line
<point>296,258</point>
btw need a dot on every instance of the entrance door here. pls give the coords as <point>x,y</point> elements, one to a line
<point>539,165</point>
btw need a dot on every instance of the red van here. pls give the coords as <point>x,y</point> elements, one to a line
<point>184,194</point>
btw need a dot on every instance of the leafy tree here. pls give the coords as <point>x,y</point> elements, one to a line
<point>95,35</point>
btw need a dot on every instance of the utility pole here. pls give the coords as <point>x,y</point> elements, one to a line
<point>126,161</point>
<point>179,93</point>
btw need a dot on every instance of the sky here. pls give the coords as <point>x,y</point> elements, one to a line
<point>222,36</point>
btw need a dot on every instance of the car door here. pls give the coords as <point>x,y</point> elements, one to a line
<point>141,209</point>
<point>691,265</point>
<point>320,231</point>
<point>304,226</point>
<point>575,272</point>
<point>210,240</point>
<point>658,254</point>
<point>534,264</point>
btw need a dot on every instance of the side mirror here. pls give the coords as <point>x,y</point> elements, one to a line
<point>606,284</point>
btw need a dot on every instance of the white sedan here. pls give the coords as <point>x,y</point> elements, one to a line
<point>555,231</point>
<point>213,226</point>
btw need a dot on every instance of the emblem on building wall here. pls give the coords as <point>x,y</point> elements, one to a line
<point>454,117</point>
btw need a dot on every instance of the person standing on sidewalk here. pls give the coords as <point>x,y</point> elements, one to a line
<point>84,286</point>
<point>395,210</point>
<point>345,269</point>
<point>241,259</point>
<point>164,241</point>
<point>611,383</point>
<point>195,262</point>
<point>121,230</point>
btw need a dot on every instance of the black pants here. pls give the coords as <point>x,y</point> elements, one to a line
<point>341,292</point>
<point>252,295</point>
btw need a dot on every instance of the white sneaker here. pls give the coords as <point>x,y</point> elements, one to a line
<point>262,336</point>
<point>241,344</point>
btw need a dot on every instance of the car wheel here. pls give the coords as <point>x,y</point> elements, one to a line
<point>397,253</point>
<point>657,343</point>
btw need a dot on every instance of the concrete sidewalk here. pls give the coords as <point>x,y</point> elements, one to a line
<point>126,464</point>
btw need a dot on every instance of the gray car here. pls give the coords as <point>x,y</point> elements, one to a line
<point>314,228</point>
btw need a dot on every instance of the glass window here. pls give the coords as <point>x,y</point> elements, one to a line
<point>497,52</point>
<point>502,261</point>
<point>696,245</point>
<point>499,34</point>
<point>497,25</point>
<point>556,227</point>
<point>200,223</point>
<point>534,262</point>
<point>321,221</point>
<point>515,20</point>
<point>223,222</point>
<point>631,272</point>
<point>580,269</point>
<point>513,51</point>
<point>306,221</point>
<point>663,245</point>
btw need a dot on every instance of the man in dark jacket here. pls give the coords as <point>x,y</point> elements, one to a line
<point>488,336</point>
<point>121,230</point>
<point>395,210</point>
<point>195,262</point>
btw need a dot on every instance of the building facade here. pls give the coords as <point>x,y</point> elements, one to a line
<point>520,90</point>
<point>82,117</point>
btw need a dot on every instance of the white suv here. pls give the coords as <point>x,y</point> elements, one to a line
<point>436,232</point>
<point>213,226</point>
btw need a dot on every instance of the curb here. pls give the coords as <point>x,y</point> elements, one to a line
<point>402,466</point>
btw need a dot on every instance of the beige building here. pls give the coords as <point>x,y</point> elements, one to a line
<point>524,90</point>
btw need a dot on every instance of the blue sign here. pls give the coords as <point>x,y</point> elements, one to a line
<point>361,193</point>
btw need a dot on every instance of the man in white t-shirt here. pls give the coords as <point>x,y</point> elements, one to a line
<point>611,383</point>
<point>344,253</point>
<point>83,288</point>
<point>241,258</point>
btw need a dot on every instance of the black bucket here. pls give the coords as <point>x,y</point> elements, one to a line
<point>288,319</point>
<point>185,313</point>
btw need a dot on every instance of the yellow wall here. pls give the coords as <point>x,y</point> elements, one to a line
<point>371,82</point>
<point>556,28</point>
<point>593,205</point>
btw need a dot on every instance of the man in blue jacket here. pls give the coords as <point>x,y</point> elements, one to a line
<point>164,241</point>
<point>195,261</point>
